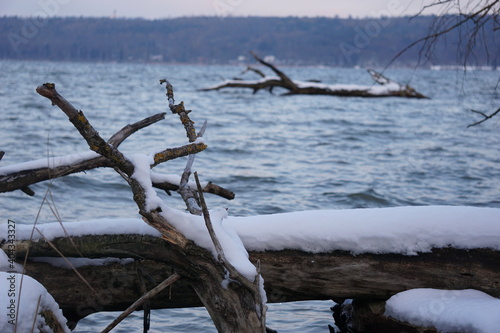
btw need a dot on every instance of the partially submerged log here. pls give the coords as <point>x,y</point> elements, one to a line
<point>385,88</point>
<point>289,275</point>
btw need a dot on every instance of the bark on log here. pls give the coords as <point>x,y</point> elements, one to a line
<point>289,275</point>
<point>361,316</point>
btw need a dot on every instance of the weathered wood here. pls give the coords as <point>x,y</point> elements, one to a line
<point>233,307</point>
<point>360,316</point>
<point>153,292</point>
<point>21,179</point>
<point>289,275</point>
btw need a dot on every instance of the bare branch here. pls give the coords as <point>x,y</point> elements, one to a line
<point>153,292</point>
<point>130,129</point>
<point>173,153</point>
<point>486,117</point>
<point>479,14</point>
<point>20,179</point>
<point>218,247</point>
<point>188,195</point>
<point>208,223</point>
<point>181,111</point>
<point>286,80</point>
<point>78,119</point>
<point>255,70</point>
<point>315,88</point>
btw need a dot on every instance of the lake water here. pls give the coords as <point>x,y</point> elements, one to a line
<point>278,154</point>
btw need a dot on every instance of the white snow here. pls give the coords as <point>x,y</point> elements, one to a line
<point>193,226</point>
<point>52,162</point>
<point>142,173</point>
<point>22,304</point>
<point>374,89</point>
<point>469,311</point>
<point>81,262</point>
<point>81,228</point>
<point>405,230</point>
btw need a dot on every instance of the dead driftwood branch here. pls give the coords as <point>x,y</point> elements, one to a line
<point>20,176</point>
<point>485,117</point>
<point>386,87</point>
<point>289,275</point>
<point>234,306</point>
<point>150,294</point>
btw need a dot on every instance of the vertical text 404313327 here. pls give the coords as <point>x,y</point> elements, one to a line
<point>11,244</point>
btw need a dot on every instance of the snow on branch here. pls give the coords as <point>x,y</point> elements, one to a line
<point>386,88</point>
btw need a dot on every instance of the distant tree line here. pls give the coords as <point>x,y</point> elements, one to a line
<point>222,40</point>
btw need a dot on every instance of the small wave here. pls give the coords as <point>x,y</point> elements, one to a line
<point>366,199</point>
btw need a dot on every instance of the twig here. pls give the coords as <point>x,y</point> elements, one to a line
<point>81,123</point>
<point>153,292</point>
<point>286,80</point>
<point>27,254</point>
<point>208,222</point>
<point>65,259</point>
<point>379,78</point>
<point>173,153</point>
<point>479,16</point>
<point>147,306</point>
<point>184,190</point>
<point>117,138</point>
<point>221,257</point>
<point>181,111</point>
<point>252,69</point>
<point>486,117</point>
<point>36,313</point>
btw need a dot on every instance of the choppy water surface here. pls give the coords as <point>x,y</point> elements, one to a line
<point>278,154</point>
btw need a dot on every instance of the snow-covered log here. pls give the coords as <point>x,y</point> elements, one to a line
<point>384,87</point>
<point>363,254</point>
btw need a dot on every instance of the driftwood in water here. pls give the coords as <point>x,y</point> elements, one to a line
<point>385,87</point>
<point>289,275</point>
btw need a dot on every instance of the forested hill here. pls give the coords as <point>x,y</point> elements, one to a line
<point>209,40</point>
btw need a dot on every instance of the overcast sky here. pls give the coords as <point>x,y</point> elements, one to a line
<point>155,9</point>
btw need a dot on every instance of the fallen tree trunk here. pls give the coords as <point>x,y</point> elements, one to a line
<point>385,88</point>
<point>289,275</point>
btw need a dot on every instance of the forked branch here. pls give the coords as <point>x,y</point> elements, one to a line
<point>486,117</point>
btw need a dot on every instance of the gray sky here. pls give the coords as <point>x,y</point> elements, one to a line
<point>154,9</point>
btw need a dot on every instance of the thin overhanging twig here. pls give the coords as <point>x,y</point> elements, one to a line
<point>486,117</point>
<point>150,294</point>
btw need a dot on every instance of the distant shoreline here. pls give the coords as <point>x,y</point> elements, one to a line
<point>203,40</point>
